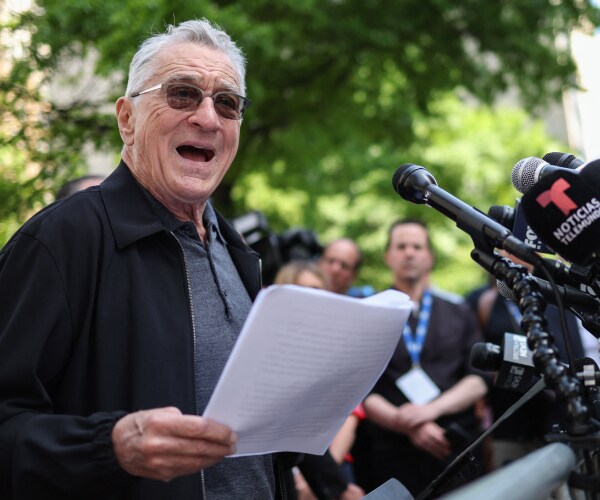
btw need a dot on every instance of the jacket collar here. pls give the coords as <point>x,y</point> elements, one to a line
<point>132,218</point>
<point>130,214</point>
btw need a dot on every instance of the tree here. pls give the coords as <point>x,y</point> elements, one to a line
<point>341,91</point>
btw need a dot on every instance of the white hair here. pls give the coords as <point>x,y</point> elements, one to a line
<point>200,31</point>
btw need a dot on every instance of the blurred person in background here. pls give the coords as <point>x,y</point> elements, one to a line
<point>302,273</point>
<point>420,414</point>
<point>78,184</point>
<point>317,476</point>
<point>341,261</point>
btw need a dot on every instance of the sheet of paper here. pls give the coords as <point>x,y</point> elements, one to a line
<point>304,359</point>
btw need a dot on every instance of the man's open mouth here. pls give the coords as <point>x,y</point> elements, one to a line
<point>195,154</point>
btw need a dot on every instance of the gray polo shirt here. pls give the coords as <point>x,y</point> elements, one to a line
<point>220,305</point>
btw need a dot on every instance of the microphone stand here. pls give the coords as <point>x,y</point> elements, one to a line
<point>581,432</point>
<point>415,184</point>
<point>545,358</point>
<point>555,376</point>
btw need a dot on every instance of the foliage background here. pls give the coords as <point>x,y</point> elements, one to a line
<point>343,92</point>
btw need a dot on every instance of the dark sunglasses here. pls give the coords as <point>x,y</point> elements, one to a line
<point>187,97</point>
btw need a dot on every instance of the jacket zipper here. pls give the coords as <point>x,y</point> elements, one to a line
<point>191,306</point>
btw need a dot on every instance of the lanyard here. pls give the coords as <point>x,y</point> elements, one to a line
<point>414,342</point>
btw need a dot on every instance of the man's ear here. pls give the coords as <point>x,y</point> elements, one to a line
<point>125,120</point>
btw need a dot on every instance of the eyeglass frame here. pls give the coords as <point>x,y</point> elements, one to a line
<point>246,102</point>
<point>343,264</point>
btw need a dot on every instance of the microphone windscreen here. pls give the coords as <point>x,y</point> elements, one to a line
<point>565,160</point>
<point>503,215</point>
<point>398,175</point>
<point>504,290</point>
<point>525,172</point>
<point>486,356</point>
<point>410,181</point>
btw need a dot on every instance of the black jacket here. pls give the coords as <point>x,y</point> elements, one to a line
<point>95,322</point>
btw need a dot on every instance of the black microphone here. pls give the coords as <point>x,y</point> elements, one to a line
<point>587,313</point>
<point>503,214</point>
<point>513,362</point>
<point>563,209</point>
<point>528,171</point>
<point>581,277</point>
<point>486,356</point>
<point>417,185</point>
<point>513,219</point>
<point>570,296</point>
<point>566,160</point>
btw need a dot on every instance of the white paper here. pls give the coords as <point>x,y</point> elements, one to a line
<point>303,361</point>
<point>417,386</point>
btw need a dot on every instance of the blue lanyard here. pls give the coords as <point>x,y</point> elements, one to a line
<point>414,343</point>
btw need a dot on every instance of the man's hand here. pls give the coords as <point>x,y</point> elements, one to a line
<point>411,415</point>
<point>164,444</point>
<point>430,437</point>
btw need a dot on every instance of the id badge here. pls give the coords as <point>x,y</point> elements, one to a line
<point>417,386</point>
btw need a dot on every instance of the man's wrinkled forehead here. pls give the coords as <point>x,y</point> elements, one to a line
<point>198,65</point>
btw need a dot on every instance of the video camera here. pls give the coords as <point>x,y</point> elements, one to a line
<point>274,249</point>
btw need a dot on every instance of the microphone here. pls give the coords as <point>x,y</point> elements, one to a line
<point>569,296</point>
<point>566,160</point>
<point>588,313</point>
<point>582,277</point>
<point>528,171</point>
<point>563,208</point>
<point>503,214</point>
<point>513,219</point>
<point>486,356</point>
<point>417,185</point>
<point>513,362</point>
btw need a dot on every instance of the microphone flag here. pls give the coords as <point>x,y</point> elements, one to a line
<point>564,211</point>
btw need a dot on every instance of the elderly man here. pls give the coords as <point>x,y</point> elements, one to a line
<point>124,301</point>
